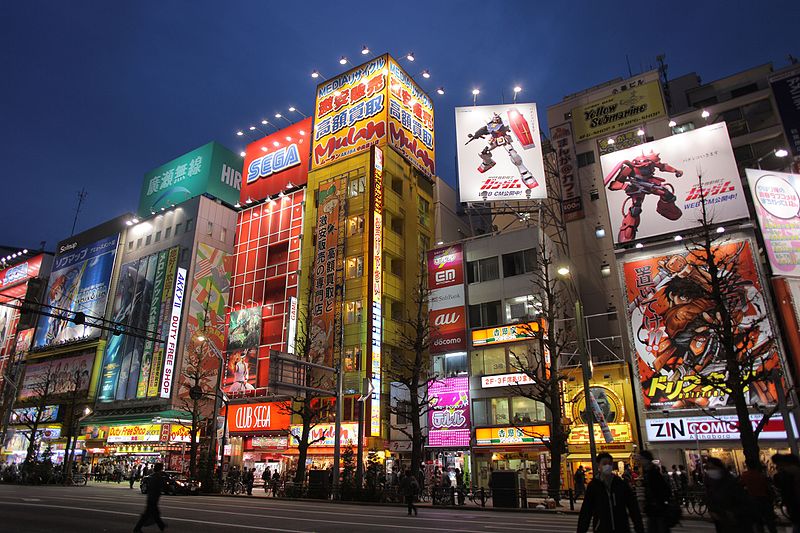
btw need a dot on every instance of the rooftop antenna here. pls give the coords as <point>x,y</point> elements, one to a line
<point>628,61</point>
<point>81,197</point>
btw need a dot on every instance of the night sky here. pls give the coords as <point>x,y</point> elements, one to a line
<point>94,94</point>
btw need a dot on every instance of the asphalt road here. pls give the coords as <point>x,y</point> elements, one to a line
<point>115,508</point>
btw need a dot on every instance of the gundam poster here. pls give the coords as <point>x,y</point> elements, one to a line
<point>653,189</point>
<point>668,310</point>
<point>499,153</point>
<point>79,282</point>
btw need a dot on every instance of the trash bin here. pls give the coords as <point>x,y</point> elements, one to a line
<point>504,485</point>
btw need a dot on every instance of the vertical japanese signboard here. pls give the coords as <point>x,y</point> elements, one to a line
<point>171,349</point>
<point>446,300</point>
<point>324,273</point>
<point>786,89</point>
<point>376,294</point>
<point>571,201</point>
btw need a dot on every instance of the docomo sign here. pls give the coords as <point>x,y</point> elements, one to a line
<point>258,417</point>
<point>446,300</point>
<point>504,380</point>
<point>725,427</point>
<point>172,338</point>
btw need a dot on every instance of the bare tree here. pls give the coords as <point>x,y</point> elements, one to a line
<point>42,390</point>
<point>194,395</point>
<point>734,348</point>
<point>540,360</point>
<point>312,402</point>
<point>74,407</point>
<point>411,371</point>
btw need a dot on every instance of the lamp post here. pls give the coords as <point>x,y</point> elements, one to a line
<point>777,152</point>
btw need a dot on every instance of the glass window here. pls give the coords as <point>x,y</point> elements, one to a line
<point>450,365</point>
<point>403,412</point>
<point>355,225</point>
<point>517,263</point>
<point>525,410</point>
<point>499,411</point>
<point>130,245</point>
<point>177,228</point>
<point>223,234</point>
<point>480,412</point>
<point>494,360</point>
<point>354,267</point>
<point>483,270</point>
<point>188,225</point>
<point>352,358</point>
<point>147,240</point>
<point>353,312</point>
<point>209,227</point>
<point>424,209</point>
<point>397,225</point>
<point>355,186</point>
<point>158,236</point>
<point>139,243</point>
<point>759,115</point>
<point>167,232</point>
<point>586,158</point>
<point>485,315</point>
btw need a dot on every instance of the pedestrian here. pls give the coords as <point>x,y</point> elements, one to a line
<point>756,484</point>
<point>609,503</point>
<point>266,476</point>
<point>276,482</point>
<point>410,489</point>
<point>726,499</point>
<point>151,514</point>
<point>132,476</point>
<point>627,474</point>
<point>787,481</point>
<point>249,480</point>
<point>580,481</point>
<point>460,486</point>
<point>657,495</point>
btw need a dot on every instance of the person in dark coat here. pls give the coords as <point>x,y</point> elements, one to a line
<point>580,481</point>
<point>657,494</point>
<point>152,515</point>
<point>609,502</point>
<point>727,501</point>
<point>756,485</point>
<point>787,481</point>
<point>249,480</point>
<point>410,489</point>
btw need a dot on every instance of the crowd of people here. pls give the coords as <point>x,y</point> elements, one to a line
<point>650,495</point>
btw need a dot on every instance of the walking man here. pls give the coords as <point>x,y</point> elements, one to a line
<point>609,502</point>
<point>657,495</point>
<point>410,488</point>
<point>152,515</point>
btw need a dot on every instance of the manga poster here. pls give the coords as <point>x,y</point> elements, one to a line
<point>79,282</point>
<point>241,371</point>
<point>244,329</point>
<point>670,316</point>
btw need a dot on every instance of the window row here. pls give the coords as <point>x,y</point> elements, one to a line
<point>180,227</point>
<point>507,410</point>
<point>514,264</point>
<point>507,359</point>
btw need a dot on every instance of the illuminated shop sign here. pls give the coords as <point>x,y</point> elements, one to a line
<point>507,333</point>
<point>172,337</point>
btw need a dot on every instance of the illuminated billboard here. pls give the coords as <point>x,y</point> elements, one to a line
<point>448,417</point>
<point>776,196</point>
<point>446,311</point>
<point>277,162</point>
<point>499,153</point>
<point>666,303</point>
<point>79,283</point>
<point>614,112</point>
<point>564,145</point>
<point>210,169</point>
<point>654,188</point>
<point>373,104</point>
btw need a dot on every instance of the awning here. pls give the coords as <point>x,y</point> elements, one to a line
<point>100,419</point>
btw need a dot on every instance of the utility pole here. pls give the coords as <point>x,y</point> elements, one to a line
<point>81,197</point>
<point>587,376</point>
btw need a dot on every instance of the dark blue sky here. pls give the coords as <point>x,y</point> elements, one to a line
<point>94,94</point>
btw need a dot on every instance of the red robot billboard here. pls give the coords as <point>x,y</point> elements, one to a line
<point>654,189</point>
<point>499,153</point>
<point>668,309</point>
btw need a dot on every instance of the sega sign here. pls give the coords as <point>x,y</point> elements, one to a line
<point>277,162</point>
<point>283,158</point>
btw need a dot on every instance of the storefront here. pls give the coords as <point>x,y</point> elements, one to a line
<point>510,448</point>
<point>615,429</point>
<point>689,440</point>
<point>448,430</point>
<point>258,437</point>
<point>320,453</point>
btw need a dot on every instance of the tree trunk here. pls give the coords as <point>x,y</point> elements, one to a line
<point>30,456</point>
<point>193,449</point>
<point>302,453</point>
<point>416,438</point>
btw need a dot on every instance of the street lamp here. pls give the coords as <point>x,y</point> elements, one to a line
<point>777,152</point>
<point>475,93</point>
<point>293,109</point>
<point>517,90</point>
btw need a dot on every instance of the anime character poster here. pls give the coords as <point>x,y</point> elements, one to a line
<point>244,329</point>
<point>654,188</point>
<point>61,373</point>
<point>670,314</point>
<point>79,282</point>
<point>241,371</point>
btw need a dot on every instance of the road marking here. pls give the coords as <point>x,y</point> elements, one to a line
<point>176,519</point>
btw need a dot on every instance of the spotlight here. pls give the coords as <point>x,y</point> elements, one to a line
<point>781,152</point>
<point>426,74</point>
<point>440,90</point>
<point>705,114</point>
<point>605,269</point>
<point>476,92</point>
<point>410,56</point>
<point>672,124</point>
<point>639,245</point>
<point>677,238</point>
<point>599,231</point>
<point>342,60</point>
<point>365,49</point>
<point>242,154</point>
<point>611,140</point>
<point>315,74</point>
<point>640,133</point>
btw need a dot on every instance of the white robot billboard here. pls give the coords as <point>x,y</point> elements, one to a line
<point>499,153</point>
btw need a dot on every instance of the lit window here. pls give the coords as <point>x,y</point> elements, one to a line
<point>354,267</point>
<point>353,312</point>
<point>355,225</point>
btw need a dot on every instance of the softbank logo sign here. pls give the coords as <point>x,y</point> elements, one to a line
<point>274,162</point>
<point>446,298</point>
